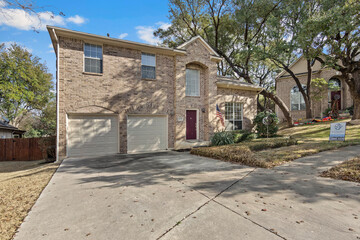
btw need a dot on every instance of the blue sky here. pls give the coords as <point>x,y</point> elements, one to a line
<point>128,19</point>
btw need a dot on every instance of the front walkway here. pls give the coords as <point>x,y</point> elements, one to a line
<point>179,196</point>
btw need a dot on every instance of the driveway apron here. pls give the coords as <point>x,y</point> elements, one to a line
<point>172,195</point>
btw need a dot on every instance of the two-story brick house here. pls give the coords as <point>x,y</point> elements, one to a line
<point>118,96</point>
<point>287,90</point>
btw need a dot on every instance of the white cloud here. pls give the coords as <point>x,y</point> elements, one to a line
<point>2,3</point>
<point>9,43</point>
<point>50,45</point>
<point>76,19</point>
<point>146,33</point>
<point>163,25</point>
<point>123,35</point>
<point>20,19</point>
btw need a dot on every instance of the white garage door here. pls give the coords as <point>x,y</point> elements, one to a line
<point>92,135</point>
<point>146,133</point>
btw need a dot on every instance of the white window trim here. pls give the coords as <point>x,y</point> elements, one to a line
<point>299,104</point>
<point>102,54</point>
<point>233,114</point>
<point>199,75</point>
<point>197,124</point>
<point>148,65</point>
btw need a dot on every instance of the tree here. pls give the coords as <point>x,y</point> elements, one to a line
<point>287,39</point>
<point>319,87</point>
<point>234,29</point>
<point>41,123</point>
<point>337,28</point>
<point>30,8</point>
<point>25,84</point>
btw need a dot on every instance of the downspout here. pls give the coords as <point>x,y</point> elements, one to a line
<point>57,96</point>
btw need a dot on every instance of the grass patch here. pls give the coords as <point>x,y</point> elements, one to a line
<point>348,171</point>
<point>244,152</point>
<point>295,143</point>
<point>275,157</point>
<point>20,186</point>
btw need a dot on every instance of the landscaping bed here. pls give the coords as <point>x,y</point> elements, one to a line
<point>295,142</point>
<point>348,171</point>
<point>20,186</point>
<point>244,152</point>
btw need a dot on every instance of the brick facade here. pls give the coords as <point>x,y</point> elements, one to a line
<point>120,91</point>
<point>285,84</point>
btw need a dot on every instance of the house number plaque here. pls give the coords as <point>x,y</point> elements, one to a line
<point>180,118</point>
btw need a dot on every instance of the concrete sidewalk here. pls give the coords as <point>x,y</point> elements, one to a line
<point>180,196</point>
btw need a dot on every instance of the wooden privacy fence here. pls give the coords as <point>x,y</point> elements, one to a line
<point>25,149</point>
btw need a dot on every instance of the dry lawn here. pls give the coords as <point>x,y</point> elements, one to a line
<point>348,171</point>
<point>20,186</point>
<point>311,139</point>
<point>275,157</point>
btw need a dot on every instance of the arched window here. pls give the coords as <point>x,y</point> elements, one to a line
<point>334,84</point>
<point>297,99</point>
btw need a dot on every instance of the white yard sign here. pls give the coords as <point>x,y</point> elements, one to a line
<point>337,131</point>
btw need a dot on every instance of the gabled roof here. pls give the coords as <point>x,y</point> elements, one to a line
<point>57,31</point>
<point>5,125</point>
<point>203,42</point>
<point>291,65</point>
<point>294,66</point>
<point>229,82</point>
<point>109,40</point>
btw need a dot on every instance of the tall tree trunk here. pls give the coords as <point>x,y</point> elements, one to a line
<point>307,97</point>
<point>354,87</point>
<point>356,114</point>
<point>308,107</point>
<point>281,105</point>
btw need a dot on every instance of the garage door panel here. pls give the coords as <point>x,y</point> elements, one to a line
<point>146,133</point>
<point>92,135</point>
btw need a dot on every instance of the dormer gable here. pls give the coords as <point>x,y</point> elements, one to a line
<point>213,54</point>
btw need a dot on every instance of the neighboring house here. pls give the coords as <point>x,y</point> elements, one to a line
<point>288,91</point>
<point>118,96</point>
<point>8,131</point>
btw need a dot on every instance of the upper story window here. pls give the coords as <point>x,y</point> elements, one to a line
<point>296,99</point>
<point>233,115</point>
<point>93,58</point>
<point>192,82</point>
<point>334,84</point>
<point>148,66</point>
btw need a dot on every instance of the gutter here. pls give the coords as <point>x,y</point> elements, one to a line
<point>231,85</point>
<point>114,41</point>
<point>57,96</point>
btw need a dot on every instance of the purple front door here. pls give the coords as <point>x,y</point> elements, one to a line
<point>191,124</point>
<point>336,96</point>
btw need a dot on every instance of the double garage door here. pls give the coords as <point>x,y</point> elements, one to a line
<point>98,134</point>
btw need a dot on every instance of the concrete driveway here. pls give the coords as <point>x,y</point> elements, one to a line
<point>175,195</point>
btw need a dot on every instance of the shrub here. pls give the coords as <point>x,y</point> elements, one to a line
<point>222,138</point>
<point>263,130</point>
<point>327,112</point>
<point>351,110</point>
<point>243,135</point>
